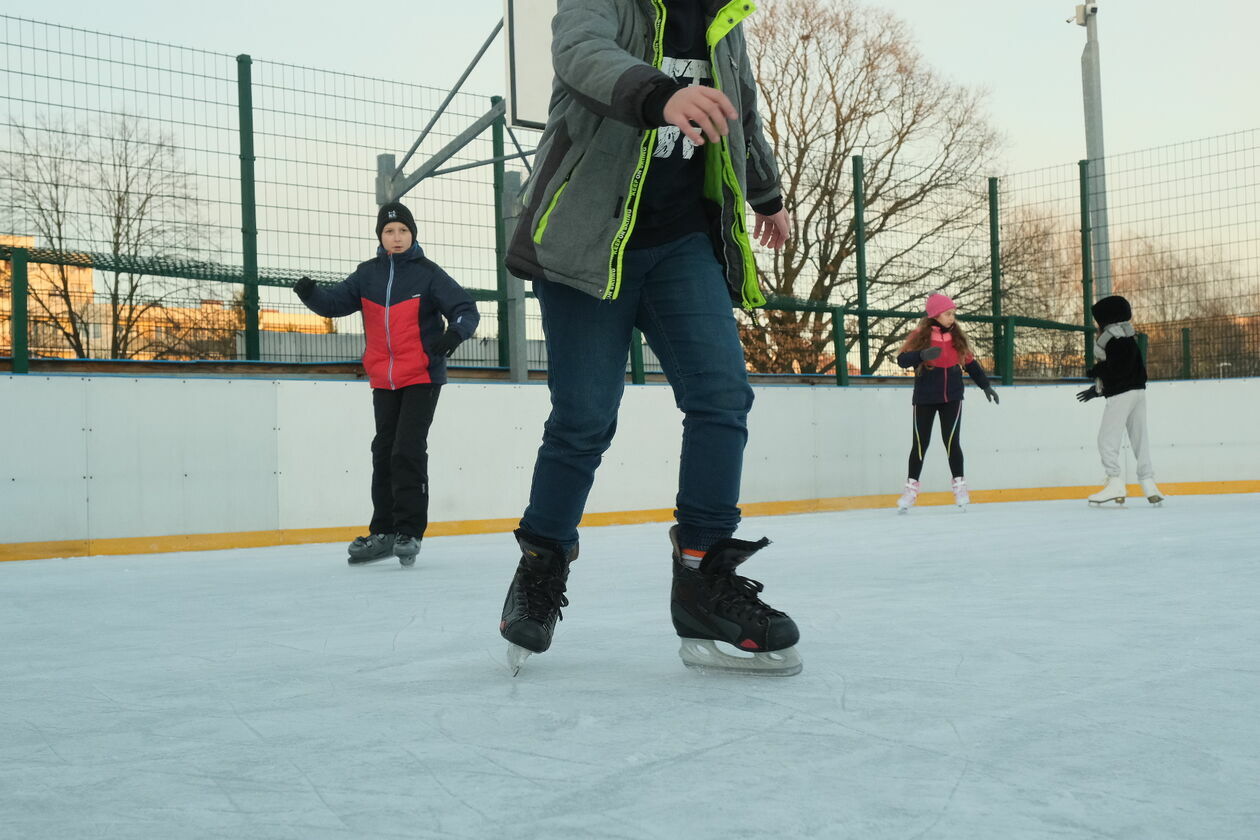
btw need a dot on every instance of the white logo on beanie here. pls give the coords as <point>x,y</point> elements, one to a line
<point>393,214</point>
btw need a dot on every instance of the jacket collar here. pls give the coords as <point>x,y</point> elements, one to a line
<point>415,252</point>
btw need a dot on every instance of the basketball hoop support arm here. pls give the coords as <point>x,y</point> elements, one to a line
<point>392,185</point>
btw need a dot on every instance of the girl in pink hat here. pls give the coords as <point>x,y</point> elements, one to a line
<point>938,350</point>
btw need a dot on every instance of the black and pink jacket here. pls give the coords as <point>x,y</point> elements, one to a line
<point>407,301</point>
<point>940,380</point>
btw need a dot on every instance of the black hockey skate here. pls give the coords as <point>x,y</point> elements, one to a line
<point>713,604</point>
<point>534,599</point>
<point>370,549</point>
<point>405,549</point>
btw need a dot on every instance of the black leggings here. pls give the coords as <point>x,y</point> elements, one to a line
<point>951,426</point>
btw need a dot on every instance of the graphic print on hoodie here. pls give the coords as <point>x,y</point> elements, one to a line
<point>670,206</point>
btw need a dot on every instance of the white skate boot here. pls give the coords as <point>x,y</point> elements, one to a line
<point>1113,492</point>
<point>961,497</point>
<point>908,496</point>
<point>1151,491</point>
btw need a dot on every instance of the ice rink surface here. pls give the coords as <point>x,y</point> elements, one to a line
<point>1030,670</point>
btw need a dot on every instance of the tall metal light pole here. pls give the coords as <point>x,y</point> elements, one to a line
<point>1091,86</point>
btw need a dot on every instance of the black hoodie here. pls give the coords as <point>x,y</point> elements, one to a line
<point>1123,369</point>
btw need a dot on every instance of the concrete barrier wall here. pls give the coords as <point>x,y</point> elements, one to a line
<point>114,457</point>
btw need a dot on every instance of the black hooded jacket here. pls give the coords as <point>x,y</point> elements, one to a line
<point>1123,369</point>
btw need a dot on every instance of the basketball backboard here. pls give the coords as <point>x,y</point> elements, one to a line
<point>529,73</point>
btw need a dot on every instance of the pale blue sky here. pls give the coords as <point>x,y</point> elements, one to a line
<point>1172,71</point>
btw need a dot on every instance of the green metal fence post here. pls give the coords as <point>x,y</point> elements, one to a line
<point>859,229</point>
<point>1143,343</point>
<point>1008,352</point>
<point>500,235</point>
<point>1087,266</point>
<point>249,204</point>
<point>995,270</point>
<point>18,328</point>
<point>636,358</point>
<point>1186,367</point>
<point>837,342</point>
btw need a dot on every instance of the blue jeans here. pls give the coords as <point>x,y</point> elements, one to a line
<point>677,296</point>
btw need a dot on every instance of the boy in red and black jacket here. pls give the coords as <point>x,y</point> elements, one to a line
<point>414,316</point>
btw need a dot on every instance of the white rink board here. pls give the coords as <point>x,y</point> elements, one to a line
<point>43,458</point>
<point>103,457</point>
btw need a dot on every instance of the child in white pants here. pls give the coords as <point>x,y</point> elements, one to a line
<point>1120,376</point>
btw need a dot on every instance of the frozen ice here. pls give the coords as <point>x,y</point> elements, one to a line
<point>1024,670</point>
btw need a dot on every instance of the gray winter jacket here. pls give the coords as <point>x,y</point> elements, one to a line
<point>581,201</point>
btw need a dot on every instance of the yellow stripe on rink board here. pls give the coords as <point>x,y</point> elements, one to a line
<point>302,536</point>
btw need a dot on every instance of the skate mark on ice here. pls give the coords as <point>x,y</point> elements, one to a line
<point>246,723</point>
<point>427,767</point>
<point>394,644</point>
<point>949,800</point>
<point>227,794</point>
<point>320,796</point>
<point>47,742</point>
<point>535,755</point>
<point>131,707</point>
<point>961,658</point>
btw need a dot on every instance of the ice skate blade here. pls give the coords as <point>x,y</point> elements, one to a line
<point>354,561</point>
<point>516,658</point>
<point>1101,502</point>
<point>1156,501</point>
<point>902,511</point>
<point>407,560</point>
<point>703,655</point>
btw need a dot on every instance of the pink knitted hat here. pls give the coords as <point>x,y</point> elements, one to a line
<point>938,303</point>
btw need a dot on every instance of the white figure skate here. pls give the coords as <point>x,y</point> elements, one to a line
<point>961,497</point>
<point>908,496</point>
<point>1152,493</point>
<point>1114,492</point>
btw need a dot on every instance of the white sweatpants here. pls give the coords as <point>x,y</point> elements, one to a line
<point>1125,411</point>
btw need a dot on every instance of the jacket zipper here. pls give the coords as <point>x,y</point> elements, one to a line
<point>740,228</point>
<point>635,190</point>
<point>389,347</point>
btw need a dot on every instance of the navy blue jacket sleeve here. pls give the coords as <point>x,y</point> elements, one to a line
<point>337,300</point>
<point>455,304</point>
<point>977,374</point>
<point>910,358</point>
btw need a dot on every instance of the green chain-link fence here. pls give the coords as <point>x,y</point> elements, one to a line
<point>156,202</point>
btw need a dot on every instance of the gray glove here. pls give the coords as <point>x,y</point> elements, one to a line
<point>1088,394</point>
<point>930,353</point>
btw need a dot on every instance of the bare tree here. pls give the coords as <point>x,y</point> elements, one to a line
<point>143,199</point>
<point>836,80</point>
<point>120,190</point>
<point>1170,287</point>
<point>43,178</point>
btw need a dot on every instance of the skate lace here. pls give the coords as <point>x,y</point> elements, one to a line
<point>738,594</point>
<point>542,595</point>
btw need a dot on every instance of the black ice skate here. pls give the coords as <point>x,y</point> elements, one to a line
<point>534,599</point>
<point>405,549</point>
<point>713,604</point>
<point>370,549</point>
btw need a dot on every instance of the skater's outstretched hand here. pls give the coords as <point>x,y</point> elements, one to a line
<point>992,395</point>
<point>930,353</point>
<point>1088,394</point>
<point>447,342</point>
<point>304,287</point>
